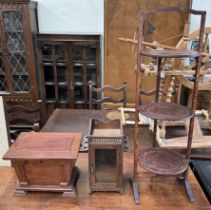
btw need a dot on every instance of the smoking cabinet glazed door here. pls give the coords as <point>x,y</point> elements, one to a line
<point>105,167</point>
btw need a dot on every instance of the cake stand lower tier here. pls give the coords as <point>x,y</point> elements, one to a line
<point>165,111</point>
<point>163,161</point>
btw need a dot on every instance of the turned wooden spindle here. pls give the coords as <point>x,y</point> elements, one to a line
<point>170,89</point>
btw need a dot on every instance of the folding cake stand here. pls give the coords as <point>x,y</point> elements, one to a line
<point>159,160</point>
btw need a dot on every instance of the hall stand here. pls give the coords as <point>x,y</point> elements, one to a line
<point>159,160</point>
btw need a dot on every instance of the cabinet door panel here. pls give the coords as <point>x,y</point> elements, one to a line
<point>55,74</point>
<point>60,53</point>
<point>106,170</point>
<point>16,49</point>
<point>3,82</point>
<point>79,94</point>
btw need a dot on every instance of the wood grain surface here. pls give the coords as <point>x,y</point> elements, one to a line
<point>121,20</point>
<point>157,193</point>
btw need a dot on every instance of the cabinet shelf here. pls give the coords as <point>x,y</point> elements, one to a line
<point>165,111</point>
<point>47,63</point>
<point>91,64</point>
<point>61,64</point>
<point>62,83</point>
<point>79,64</point>
<point>51,101</point>
<point>63,101</point>
<point>163,161</point>
<point>79,101</point>
<point>78,83</point>
<point>49,83</point>
<point>50,63</point>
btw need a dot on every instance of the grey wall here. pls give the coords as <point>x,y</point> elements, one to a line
<point>71,16</point>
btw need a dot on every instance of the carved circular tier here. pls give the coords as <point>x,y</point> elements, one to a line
<point>177,53</point>
<point>165,111</point>
<point>163,161</point>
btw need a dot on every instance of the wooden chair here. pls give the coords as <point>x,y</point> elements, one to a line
<point>97,96</point>
<point>22,117</point>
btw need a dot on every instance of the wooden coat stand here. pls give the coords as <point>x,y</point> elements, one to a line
<point>158,160</point>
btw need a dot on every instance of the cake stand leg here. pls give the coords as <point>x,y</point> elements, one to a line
<point>134,185</point>
<point>180,177</point>
<point>188,190</point>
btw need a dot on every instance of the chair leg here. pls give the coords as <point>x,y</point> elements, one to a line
<point>188,190</point>
<point>134,185</point>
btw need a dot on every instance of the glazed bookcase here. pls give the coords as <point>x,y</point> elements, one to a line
<point>67,64</point>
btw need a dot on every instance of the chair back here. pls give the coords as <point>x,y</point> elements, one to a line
<point>23,117</point>
<point>98,98</point>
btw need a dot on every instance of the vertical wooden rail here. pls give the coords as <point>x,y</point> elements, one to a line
<point>124,94</point>
<point>6,116</point>
<point>194,103</point>
<point>157,98</point>
<point>195,89</point>
<point>56,95</point>
<point>134,181</point>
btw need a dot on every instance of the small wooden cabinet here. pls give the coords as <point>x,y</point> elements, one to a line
<point>67,64</point>
<point>45,162</point>
<point>17,65</point>
<point>105,156</point>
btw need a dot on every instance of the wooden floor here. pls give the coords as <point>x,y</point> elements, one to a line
<point>157,192</point>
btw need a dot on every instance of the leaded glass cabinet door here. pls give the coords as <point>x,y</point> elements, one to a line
<point>55,73</point>
<point>3,77</point>
<point>85,69</point>
<point>18,58</point>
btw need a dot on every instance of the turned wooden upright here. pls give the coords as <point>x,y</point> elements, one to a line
<point>158,160</point>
